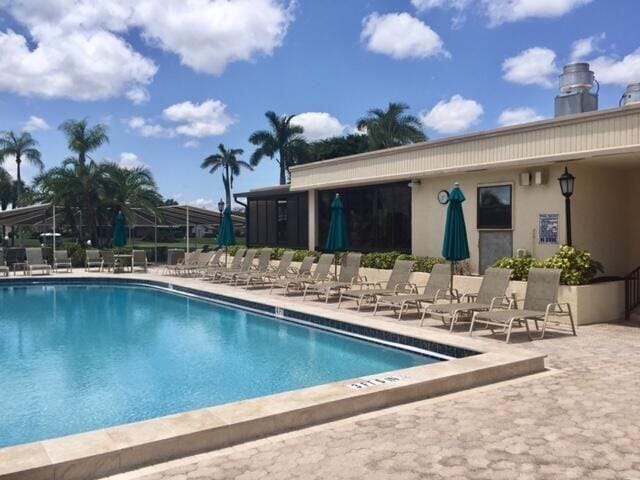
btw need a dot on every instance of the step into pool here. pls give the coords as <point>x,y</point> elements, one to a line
<point>80,357</point>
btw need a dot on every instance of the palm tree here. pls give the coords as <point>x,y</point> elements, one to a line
<point>391,127</point>
<point>126,189</point>
<point>7,196</point>
<point>283,139</point>
<point>22,147</point>
<point>227,160</point>
<point>82,139</point>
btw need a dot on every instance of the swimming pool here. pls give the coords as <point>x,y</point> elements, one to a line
<point>80,357</point>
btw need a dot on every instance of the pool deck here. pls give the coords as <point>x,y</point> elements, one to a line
<point>578,420</point>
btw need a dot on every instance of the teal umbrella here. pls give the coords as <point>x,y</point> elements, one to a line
<point>338,237</point>
<point>119,239</point>
<point>455,247</point>
<point>226,236</point>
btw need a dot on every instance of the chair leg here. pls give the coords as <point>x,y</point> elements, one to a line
<point>375,308</point>
<point>340,300</point>
<point>473,322</point>
<point>573,325</point>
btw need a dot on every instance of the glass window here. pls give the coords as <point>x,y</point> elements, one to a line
<point>494,207</point>
<point>281,219</point>
<point>378,217</point>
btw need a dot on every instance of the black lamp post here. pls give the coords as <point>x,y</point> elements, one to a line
<point>567,182</point>
<point>220,209</point>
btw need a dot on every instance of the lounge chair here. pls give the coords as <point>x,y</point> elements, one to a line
<point>437,288</point>
<point>263,266</point>
<point>139,259</point>
<point>36,262</point>
<point>108,260</point>
<point>246,266</point>
<point>4,270</point>
<point>266,277</point>
<point>93,260</point>
<point>190,260</point>
<point>212,271</point>
<point>302,274</point>
<point>540,304</point>
<point>368,292</point>
<point>491,295</point>
<point>205,260</point>
<point>61,260</point>
<point>349,277</point>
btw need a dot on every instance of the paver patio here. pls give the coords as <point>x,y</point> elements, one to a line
<point>579,420</point>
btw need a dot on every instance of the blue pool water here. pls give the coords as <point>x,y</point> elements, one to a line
<point>75,358</point>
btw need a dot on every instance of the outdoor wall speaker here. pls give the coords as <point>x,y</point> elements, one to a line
<point>525,179</point>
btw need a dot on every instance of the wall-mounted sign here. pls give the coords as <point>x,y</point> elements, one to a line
<point>548,228</point>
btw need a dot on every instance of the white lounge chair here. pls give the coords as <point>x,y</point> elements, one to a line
<point>61,260</point>
<point>36,262</point>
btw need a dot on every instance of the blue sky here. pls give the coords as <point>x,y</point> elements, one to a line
<point>172,81</point>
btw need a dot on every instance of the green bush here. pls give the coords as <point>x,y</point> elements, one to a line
<point>519,265</point>
<point>578,266</point>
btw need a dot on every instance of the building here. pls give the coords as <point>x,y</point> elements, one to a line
<point>510,179</point>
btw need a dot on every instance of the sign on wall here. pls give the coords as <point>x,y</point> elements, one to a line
<point>548,228</point>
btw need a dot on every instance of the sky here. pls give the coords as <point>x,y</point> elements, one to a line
<point>172,79</point>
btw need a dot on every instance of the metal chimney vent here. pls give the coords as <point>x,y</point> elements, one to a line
<point>632,95</point>
<point>576,82</point>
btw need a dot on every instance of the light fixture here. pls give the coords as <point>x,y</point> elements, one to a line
<point>414,183</point>
<point>567,182</point>
<point>221,205</point>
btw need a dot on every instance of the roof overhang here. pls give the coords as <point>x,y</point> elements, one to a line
<point>605,133</point>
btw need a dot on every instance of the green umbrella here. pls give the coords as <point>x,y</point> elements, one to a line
<point>455,247</point>
<point>119,239</point>
<point>338,237</point>
<point>226,236</point>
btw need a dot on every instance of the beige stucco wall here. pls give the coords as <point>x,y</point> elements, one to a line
<point>528,202</point>
<point>605,212</point>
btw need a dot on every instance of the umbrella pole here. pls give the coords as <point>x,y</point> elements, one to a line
<point>451,286</point>
<point>226,252</point>
<point>54,234</point>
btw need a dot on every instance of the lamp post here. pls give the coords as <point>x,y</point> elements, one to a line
<point>220,209</point>
<point>567,182</point>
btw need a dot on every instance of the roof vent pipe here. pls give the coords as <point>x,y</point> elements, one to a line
<point>576,83</point>
<point>631,96</point>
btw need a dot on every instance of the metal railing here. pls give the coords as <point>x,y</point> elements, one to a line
<point>631,292</point>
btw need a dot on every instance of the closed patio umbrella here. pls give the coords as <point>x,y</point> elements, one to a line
<point>338,237</point>
<point>226,236</point>
<point>119,239</point>
<point>455,247</point>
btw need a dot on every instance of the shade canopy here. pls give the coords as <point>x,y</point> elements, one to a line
<point>455,247</point>
<point>226,236</point>
<point>119,239</point>
<point>338,237</point>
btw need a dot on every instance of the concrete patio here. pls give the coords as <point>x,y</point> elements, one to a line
<point>580,419</point>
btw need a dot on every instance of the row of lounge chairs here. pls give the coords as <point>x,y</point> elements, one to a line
<point>490,306</point>
<point>107,260</point>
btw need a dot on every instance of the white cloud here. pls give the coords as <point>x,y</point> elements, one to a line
<point>610,70</point>
<point>400,36</point>
<point>516,116</point>
<point>27,171</point>
<point>207,119</point>
<point>208,35</point>
<point>35,123</point>
<point>424,5</point>
<point>147,128</point>
<point>318,125</point>
<point>585,46</point>
<point>207,203</point>
<point>130,161</point>
<point>80,46</point>
<point>534,66</point>
<point>138,95</point>
<point>453,116</point>
<point>504,11</point>
<point>77,65</point>
<point>191,144</point>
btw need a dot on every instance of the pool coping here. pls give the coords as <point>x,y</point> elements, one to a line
<point>126,447</point>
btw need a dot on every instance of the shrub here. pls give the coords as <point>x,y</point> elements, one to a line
<point>380,260</point>
<point>77,254</point>
<point>578,266</point>
<point>519,265</point>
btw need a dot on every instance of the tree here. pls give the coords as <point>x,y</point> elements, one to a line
<point>391,127</point>
<point>82,139</point>
<point>337,147</point>
<point>21,147</point>
<point>283,140</point>
<point>7,193</point>
<point>227,161</point>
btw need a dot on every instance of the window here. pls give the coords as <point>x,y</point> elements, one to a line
<point>281,221</point>
<point>494,207</point>
<point>378,217</point>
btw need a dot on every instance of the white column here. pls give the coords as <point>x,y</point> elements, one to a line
<point>187,228</point>
<point>313,218</point>
<point>53,260</point>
